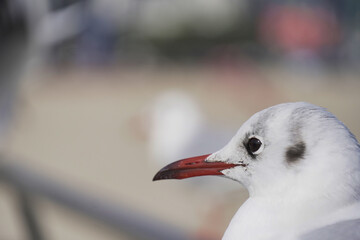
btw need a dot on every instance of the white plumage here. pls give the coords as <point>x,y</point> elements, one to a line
<point>293,193</point>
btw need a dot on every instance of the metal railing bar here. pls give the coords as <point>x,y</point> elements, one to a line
<point>128,221</point>
<point>30,219</point>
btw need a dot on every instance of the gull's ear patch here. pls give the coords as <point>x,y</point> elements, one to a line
<point>295,152</point>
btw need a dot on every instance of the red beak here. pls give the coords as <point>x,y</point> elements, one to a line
<point>192,167</point>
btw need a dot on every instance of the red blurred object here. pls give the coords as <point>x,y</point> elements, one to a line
<point>292,28</point>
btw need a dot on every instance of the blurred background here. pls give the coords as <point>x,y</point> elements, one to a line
<point>97,95</point>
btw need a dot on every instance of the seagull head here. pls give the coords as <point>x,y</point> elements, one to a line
<point>290,148</point>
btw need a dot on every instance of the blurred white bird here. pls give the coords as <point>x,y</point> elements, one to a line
<point>301,166</point>
<point>175,119</point>
<point>177,128</point>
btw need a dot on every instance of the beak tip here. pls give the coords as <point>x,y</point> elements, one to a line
<point>156,177</point>
<point>160,175</point>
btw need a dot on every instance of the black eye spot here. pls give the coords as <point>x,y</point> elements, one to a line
<point>253,144</point>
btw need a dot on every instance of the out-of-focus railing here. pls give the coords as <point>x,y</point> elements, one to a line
<point>30,184</point>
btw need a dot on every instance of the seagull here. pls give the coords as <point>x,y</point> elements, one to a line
<point>301,167</point>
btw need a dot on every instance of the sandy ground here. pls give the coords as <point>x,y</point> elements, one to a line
<point>78,128</point>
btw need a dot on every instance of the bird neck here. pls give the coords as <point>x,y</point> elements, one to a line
<point>294,204</point>
<point>261,218</point>
<point>315,197</point>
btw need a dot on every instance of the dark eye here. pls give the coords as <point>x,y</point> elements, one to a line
<point>253,144</point>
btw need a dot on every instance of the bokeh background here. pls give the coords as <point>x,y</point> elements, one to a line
<point>97,95</point>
